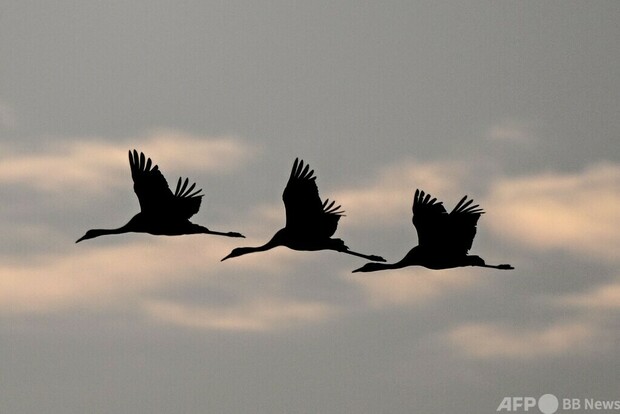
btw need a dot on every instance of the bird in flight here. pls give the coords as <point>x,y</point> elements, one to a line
<point>310,222</point>
<point>161,211</point>
<point>443,239</point>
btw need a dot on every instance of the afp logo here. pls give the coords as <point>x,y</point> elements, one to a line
<point>547,404</point>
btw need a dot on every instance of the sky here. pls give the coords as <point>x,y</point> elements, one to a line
<point>512,103</point>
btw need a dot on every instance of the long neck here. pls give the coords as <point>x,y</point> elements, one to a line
<point>246,250</point>
<point>196,228</point>
<point>105,232</point>
<point>410,259</point>
<point>240,251</point>
<point>91,234</point>
<point>376,266</point>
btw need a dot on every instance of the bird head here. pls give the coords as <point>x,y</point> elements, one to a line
<point>370,267</point>
<point>90,234</point>
<point>239,251</point>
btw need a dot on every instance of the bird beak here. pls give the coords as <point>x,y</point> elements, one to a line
<point>227,257</point>
<point>80,239</point>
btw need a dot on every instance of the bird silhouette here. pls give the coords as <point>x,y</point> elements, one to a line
<point>443,239</point>
<point>310,223</point>
<point>161,211</point>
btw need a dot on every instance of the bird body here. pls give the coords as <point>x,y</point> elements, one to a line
<point>443,239</point>
<point>162,212</point>
<point>310,222</point>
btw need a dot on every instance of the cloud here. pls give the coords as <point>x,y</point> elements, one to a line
<point>88,166</point>
<point>576,212</point>
<point>385,200</point>
<point>128,275</point>
<point>388,198</point>
<point>102,276</point>
<point>559,207</point>
<point>8,119</point>
<point>208,154</point>
<point>489,341</point>
<point>413,285</point>
<point>259,314</point>
<point>510,131</point>
<point>93,165</point>
<point>605,298</point>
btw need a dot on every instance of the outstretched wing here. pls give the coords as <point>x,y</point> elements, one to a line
<point>148,183</point>
<point>185,202</point>
<point>430,220</point>
<point>449,233</point>
<point>305,212</point>
<point>463,220</point>
<point>154,194</point>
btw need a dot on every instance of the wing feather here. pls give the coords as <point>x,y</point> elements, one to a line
<point>449,233</point>
<point>186,203</point>
<point>429,218</point>
<point>305,212</point>
<point>463,220</point>
<point>149,184</point>
<point>154,194</point>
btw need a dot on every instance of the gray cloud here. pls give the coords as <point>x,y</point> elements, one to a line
<point>91,166</point>
<point>512,103</point>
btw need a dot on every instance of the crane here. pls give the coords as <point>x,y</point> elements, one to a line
<point>310,222</point>
<point>161,211</point>
<point>443,239</point>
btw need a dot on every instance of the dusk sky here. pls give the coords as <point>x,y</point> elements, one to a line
<point>514,103</point>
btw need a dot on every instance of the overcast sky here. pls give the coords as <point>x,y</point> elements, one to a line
<point>514,103</point>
